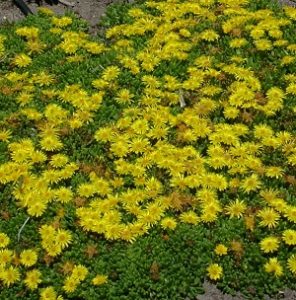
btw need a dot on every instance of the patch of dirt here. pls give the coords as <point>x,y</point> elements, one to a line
<point>90,10</point>
<point>288,2</point>
<point>213,293</point>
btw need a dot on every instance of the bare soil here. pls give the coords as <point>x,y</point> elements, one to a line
<point>90,10</point>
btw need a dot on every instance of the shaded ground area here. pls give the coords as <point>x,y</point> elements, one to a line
<point>91,10</point>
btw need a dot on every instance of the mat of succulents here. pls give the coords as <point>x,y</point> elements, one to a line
<point>154,156</point>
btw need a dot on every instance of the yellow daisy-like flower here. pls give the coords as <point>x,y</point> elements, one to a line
<point>236,209</point>
<point>5,135</point>
<point>214,271</point>
<point>79,272</point>
<point>269,244</point>
<point>231,112</point>
<point>99,279</point>
<point>269,217</point>
<point>251,183</point>
<point>168,223</point>
<point>286,60</point>
<point>291,88</point>
<point>189,217</point>
<point>58,160</point>
<point>273,266</point>
<point>32,279</point>
<point>51,143</point>
<point>64,194</point>
<point>6,256</point>
<point>111,73</point>
<point>37,208</point>
<point>46,11</point>
<point>274,172</point>
<point>289,237</point>
<point>238,43</point>
<point>28,32</point>
<point>61,22</point>
<point>70,284</point>
<point>48,294</point>
<point>124,96</point>
<point>221,249</point>
<point>63,238</point>
<point>28,257</point>
<point>209,35</point>
<point>291,263</point>
<point>4,240</point>
<point>263,44</point>
<point>22,60</point>
<point>10,276</point>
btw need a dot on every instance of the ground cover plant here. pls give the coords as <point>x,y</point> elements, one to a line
<point>137,163</point>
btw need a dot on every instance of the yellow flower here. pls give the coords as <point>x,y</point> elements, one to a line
<point>6,256</point>
<point>269,217</point>
<point>99,279</point>
<point>291,88</point>
<point>79,272</point>
<point>231,112</point>
<point>221,249</point>
<point>4,240</point>
<point>32,279</point>
<point>22,60</point>
<point>61,22</point>
<point>189,217</point>
<point>28,32</point>
<point>111,73</point>
<point>48,294</point>
<point>262,131</point>
<point>5,135</point>
<point>63,238</point>
<point>64,194</point>
<point>37,208</point>
<point>290,12</point>
<point>238,43</point>
<point>168,223</point>
<point>235,208</point>
<point>276,33</point>
<point>251,183</point>
<point>292,264</point>
<point>263,44</point>
<point>209,35</point>
<point>10,276</point>
<point>51,143</point>
<point>269,244</point>
<point>58,160</point>
<point>286,60</point>
<point>273,171</point>
<point>273,266</point>
<point>214,271</point>
<point>35,46</point>
<point>56,30</point>
<point>257,33</point>
<point>289,237</point>
<point>124,96</point>
<point>28,257</point>
<point>94,48</point>
<point>70,284</point>
<point>45,11</point>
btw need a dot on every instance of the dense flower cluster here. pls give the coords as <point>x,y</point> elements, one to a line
<point>197,148</point>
